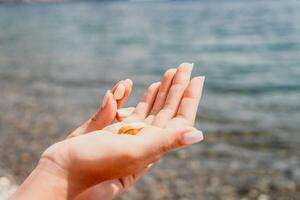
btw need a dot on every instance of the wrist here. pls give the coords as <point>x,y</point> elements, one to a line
<point>48,181</point>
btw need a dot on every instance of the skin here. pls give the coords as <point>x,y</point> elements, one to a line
<point>107,113</point>
<point>87,166</point>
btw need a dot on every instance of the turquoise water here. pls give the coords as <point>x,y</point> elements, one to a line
<point>249,52</point>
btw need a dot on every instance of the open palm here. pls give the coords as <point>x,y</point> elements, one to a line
<point>171,102</point>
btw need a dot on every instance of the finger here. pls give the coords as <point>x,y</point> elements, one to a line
<point>149,119</point>
<point>106,115</point>
<point>163,91</point>
<point>124,113</point>
<point>108,156</point>
<point>114,128</point>
<point>128,181</point>
<point>155,141</point>
<point>190,101</point>
<point>111,188</point>
<point>105,190</point>
<point>121,91</point>
<point>144,106</point>
<point>131,179</point>
<point>108,111</point>
<point>170,138</point>
<point>179,84</point>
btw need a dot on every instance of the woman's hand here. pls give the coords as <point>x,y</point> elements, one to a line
<point>155,95</point>
<point>107,113</point>
<point>170,108</point>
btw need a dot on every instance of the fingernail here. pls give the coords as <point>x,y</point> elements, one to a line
<point>129,81</point>
<point>200,78</point>
<point>125,112</point>
<point>119,92</point>
<point>192,137</point>
<point>105,99</point>
<point>150,165</point>
<point>154,84</point>
<point>189,65</point>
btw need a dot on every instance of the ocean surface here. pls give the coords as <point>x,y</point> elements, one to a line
<point>248,51</point>
<point>58,59</point>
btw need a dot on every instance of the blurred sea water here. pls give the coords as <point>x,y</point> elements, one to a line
<point>248,51</point>
<point>63,56</point>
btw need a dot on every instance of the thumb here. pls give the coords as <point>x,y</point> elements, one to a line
<point>108,110</point>
<point>112,101</point>
<point>106,115</point>
<point>102,117</point>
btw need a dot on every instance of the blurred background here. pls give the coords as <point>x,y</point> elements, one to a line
<point>58,58</point>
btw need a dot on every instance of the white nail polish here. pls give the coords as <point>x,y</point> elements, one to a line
<point>190,65</point>
<point>105,99</point>
<point>192,137</point>
<point>150,165</point>
<point>119,92</point>
<point>130,81</point>
<point>125,112</point>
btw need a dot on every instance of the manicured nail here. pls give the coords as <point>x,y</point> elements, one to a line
<point>203,78</point>
<point>192,137</point>
<point>129,81</point>
<point>200,78</point>
<point>105,99</point>
<point>153,85</point>
<point>189,65</point>
<point>119,92</point>
<point>150,165</point>
<point>125,112</point>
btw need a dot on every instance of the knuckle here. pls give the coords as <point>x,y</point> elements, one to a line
<point>176,142</point>
<point>165,148</point>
